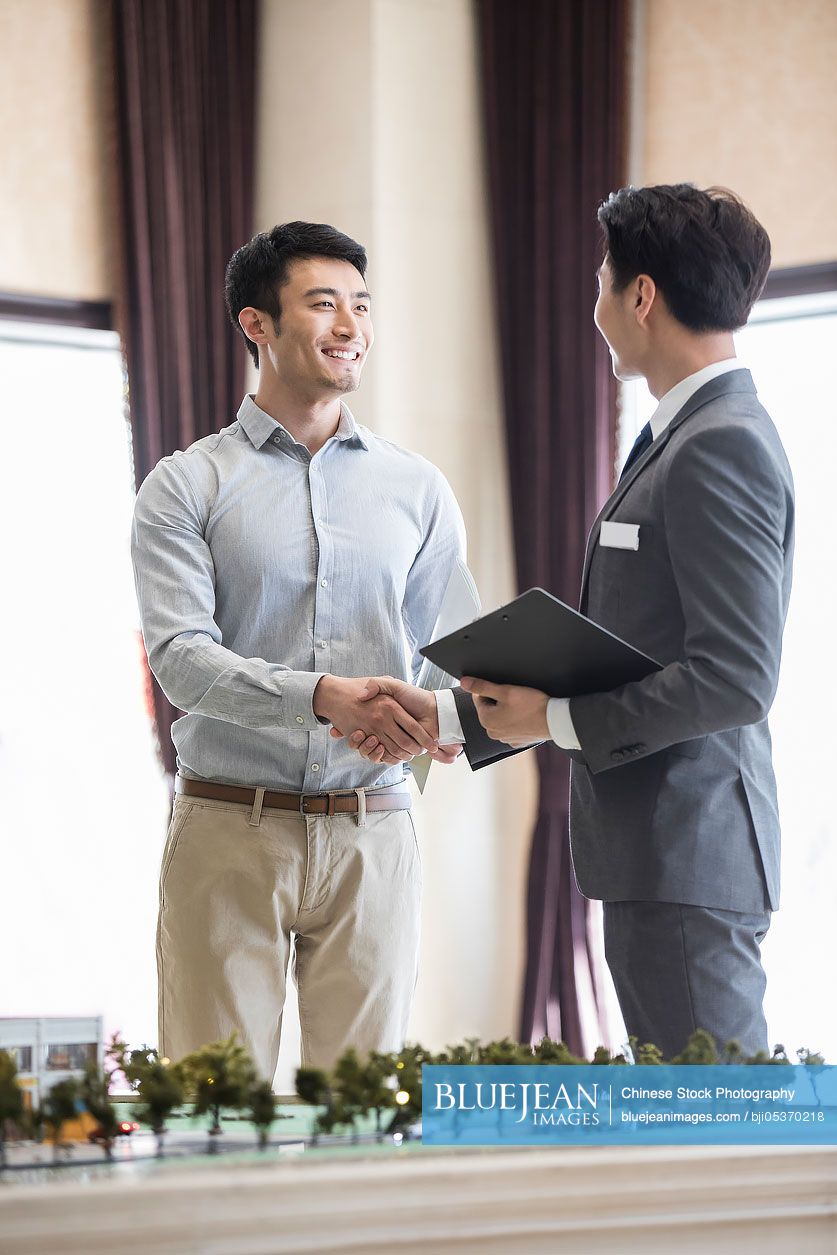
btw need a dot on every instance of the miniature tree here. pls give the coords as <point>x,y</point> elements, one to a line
<point>407,1098</point>
<point>261,1107</point>
<point>316,1088</point>
<point>156,1082</point>
<point>94,1093</point>
<point>340,1098</point>
<point>11,1099</point>
<point>647,1055</point>
<point>733,1053</point>
<point>815,1063</point>
<point>343,1112</point>
<point>60,1105</point>
<point>313,1088</point>
<point>505,1051</point>
<point>119,1055</point>
<point>218,1075</point>
<point>463,1054</point>
<point>700,1048</point>
<point>351,1089</point>
<point>809,1058</point>
<point>378,1086</point>
<point>778,1056</point>
<point>601,1055</point>
<point>550,1051</point>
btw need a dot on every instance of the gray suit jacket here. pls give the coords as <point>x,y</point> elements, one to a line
<point>673,796</point>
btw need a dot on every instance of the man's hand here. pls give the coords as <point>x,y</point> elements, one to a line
<point>420,703</point>
<point>509,713</point>
<point>375,712</point>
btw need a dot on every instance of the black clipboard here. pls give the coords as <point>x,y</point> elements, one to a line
<point>539,642</point>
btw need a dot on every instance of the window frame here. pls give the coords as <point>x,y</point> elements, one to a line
<point>26,307</point>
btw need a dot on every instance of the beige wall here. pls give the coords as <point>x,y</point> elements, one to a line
<point>374,125</point>
<point>740,93</point>
<point>54,232</point>
<point>743,93</point>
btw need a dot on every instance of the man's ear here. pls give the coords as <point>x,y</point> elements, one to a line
<point>252,322</point>
<point>645,292</point>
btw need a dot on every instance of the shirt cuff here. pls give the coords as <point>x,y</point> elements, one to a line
<point>450,727</point>
<point>560,723</point>
<point>297,694</point>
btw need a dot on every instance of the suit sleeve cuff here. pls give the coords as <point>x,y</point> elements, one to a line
<point>450,726</point>
<point>560,723</point>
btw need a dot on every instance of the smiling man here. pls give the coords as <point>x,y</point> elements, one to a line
<point>278,563</point>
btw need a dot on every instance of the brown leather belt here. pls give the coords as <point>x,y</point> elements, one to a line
<point>340,802</point>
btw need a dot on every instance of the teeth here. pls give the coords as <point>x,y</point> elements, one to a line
<point>349,357</point>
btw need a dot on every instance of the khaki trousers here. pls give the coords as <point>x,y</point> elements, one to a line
<point>234,886</point>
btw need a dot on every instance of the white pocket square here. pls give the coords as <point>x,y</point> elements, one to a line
<point>619,535</point>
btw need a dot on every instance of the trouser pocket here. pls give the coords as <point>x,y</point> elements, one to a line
<point>181,812</point>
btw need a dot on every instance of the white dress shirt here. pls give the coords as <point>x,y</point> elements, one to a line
<point>558,716</point>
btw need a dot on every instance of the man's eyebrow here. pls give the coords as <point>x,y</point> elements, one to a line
<point>333,292</point>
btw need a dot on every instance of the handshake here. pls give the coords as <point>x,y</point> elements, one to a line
<point>384,719</point>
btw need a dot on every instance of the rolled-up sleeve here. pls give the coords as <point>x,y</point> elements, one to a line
<point>175,584</point>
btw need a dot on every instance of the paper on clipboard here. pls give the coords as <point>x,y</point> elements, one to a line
<point>460,605</point>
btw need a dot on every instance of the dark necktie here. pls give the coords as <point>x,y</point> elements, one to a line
<point>642,442</point>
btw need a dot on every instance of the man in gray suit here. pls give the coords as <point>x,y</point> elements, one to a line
<point>673,816</point>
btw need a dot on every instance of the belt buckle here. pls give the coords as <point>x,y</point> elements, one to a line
<point>330,795</point>
<point>309,797</point>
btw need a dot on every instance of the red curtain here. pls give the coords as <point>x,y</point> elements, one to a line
<point>184,91</point>
<point>554,79</point>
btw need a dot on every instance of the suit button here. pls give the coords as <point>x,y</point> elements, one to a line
<point>617,755</point>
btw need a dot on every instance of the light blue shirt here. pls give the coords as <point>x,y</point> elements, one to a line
<point>260,568</point>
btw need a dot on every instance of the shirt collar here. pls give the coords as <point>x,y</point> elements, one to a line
<point>676,397</point>
<point>348,429</point>
<point>259,426</point>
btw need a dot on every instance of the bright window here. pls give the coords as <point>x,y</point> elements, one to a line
<point>83,802</point>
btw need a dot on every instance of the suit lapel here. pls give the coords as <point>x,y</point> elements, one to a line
<point>731,381</point>
<point>616,496</point>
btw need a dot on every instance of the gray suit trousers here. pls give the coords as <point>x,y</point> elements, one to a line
<point>679,968</point>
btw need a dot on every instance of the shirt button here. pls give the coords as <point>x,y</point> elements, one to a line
<point>323,644</point>
<point>300,719</point>
<point>315,766</point>
<point>324,583</point>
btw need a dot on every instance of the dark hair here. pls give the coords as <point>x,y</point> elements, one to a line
<point>705,251</point>
<point>257,270</point>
